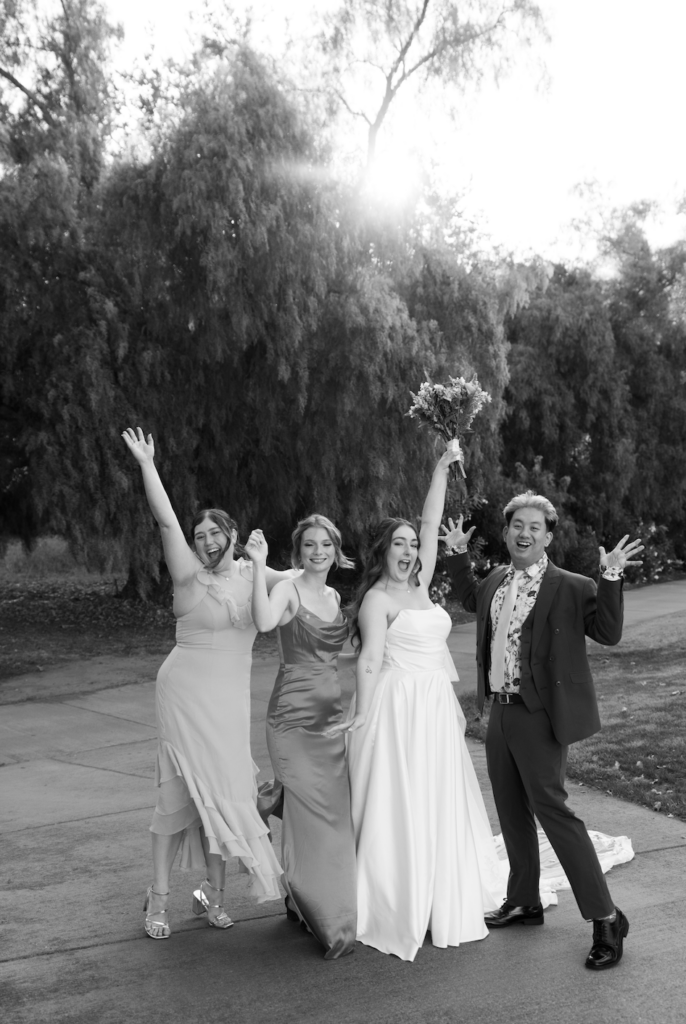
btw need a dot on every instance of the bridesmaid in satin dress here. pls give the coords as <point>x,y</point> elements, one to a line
<point>311,790</point>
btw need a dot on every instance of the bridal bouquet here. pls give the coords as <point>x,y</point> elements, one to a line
<point>449,408</point>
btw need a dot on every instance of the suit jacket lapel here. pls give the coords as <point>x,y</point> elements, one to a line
<point>491,584</point>
<point>488,589</point>
<point>549,584</point>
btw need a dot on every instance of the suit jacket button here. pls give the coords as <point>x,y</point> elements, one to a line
<point>557,630</point>
<point>558,683</point>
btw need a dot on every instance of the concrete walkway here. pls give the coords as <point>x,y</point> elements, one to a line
<point>75,801</point>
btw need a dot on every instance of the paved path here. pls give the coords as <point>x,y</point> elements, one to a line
<point>75,801</point>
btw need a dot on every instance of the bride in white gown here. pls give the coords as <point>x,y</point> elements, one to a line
<point>426,858</point>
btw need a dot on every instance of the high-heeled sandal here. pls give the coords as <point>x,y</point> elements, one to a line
<point>150,914</point>
<point>290,913</point>
<point>202,905</point>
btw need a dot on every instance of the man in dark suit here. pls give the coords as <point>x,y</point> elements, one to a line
<point>532,624</point>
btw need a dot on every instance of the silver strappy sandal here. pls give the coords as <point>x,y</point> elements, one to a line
<point>150,914</point>
<point>202,905</point>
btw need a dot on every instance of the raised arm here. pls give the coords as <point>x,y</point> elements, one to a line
<point>604,606</point>
<point>268,609</point>
<point>373,628</point>
<point>275,576</point>
<point>181,561</point>
<point>432,513</point>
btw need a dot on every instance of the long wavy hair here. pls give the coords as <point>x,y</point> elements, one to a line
<point>375,566</point>
<point>225,523</point>
<point>316,520</point>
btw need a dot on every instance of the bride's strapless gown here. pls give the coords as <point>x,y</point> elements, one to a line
<point>426,857</point>
<point>426,860</point>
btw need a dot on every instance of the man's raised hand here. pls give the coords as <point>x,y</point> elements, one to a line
<point>455,537</point>
<point>622,555</point>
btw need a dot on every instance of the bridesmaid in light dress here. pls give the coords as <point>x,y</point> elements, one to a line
<point>205,774</point>
<point>311,790</point>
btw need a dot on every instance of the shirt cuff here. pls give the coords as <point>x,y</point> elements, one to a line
<point>461,550</point>
<point>611,572</point>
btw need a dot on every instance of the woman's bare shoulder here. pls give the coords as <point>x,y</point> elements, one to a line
<point>376,598</point>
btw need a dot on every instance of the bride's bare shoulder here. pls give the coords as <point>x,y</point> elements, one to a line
<point>376,598</point>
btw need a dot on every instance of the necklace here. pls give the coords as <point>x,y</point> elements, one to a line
<point>221,574</point>
<point>401,590</point>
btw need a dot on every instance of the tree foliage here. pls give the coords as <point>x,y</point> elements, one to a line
<point>229,294</point>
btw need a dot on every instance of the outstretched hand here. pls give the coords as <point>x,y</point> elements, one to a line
<point>455,537</point>
<point>142,448</point>
<point>256,547</point>
<point>621,556</point>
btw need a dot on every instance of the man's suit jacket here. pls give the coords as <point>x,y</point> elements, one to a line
<point>556,676</point>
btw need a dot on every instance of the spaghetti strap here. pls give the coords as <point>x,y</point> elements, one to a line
<point>298,593</point>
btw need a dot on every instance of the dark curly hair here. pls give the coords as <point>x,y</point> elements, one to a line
<point>225,523</point>
<point>374,566</point>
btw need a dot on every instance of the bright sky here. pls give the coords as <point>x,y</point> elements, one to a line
<point>611,112</point>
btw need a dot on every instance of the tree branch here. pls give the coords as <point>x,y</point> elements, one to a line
<point>30,95</point>
<point>471,37</point>
<point>355,113</point>
<point>392,87</point>
<point>400,59</point>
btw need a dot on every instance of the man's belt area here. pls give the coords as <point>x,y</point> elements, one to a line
<point>507,698</point>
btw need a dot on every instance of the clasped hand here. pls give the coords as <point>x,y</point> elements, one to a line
<point>256,547</point>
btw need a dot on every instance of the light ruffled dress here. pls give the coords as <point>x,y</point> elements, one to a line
<point>205,772</point>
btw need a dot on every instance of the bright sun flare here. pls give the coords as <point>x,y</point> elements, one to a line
<point>394,179</point>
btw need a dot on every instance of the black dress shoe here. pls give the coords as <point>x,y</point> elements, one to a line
<point>608,942</point>
<point>509,914</point>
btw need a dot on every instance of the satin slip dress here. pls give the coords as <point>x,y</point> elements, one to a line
<point>311,790</point>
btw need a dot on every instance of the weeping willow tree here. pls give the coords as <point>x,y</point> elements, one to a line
<point>226,295</point>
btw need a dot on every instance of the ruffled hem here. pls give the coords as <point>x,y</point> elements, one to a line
<point>232,828</point>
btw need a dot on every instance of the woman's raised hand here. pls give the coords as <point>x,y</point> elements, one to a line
<point>256,547</point>
<point>143,449</point>
<point>452,453</point>
<point>455,537</point>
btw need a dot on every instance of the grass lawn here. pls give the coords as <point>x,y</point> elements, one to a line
<point>49,620</point>
<point>640,753</point>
